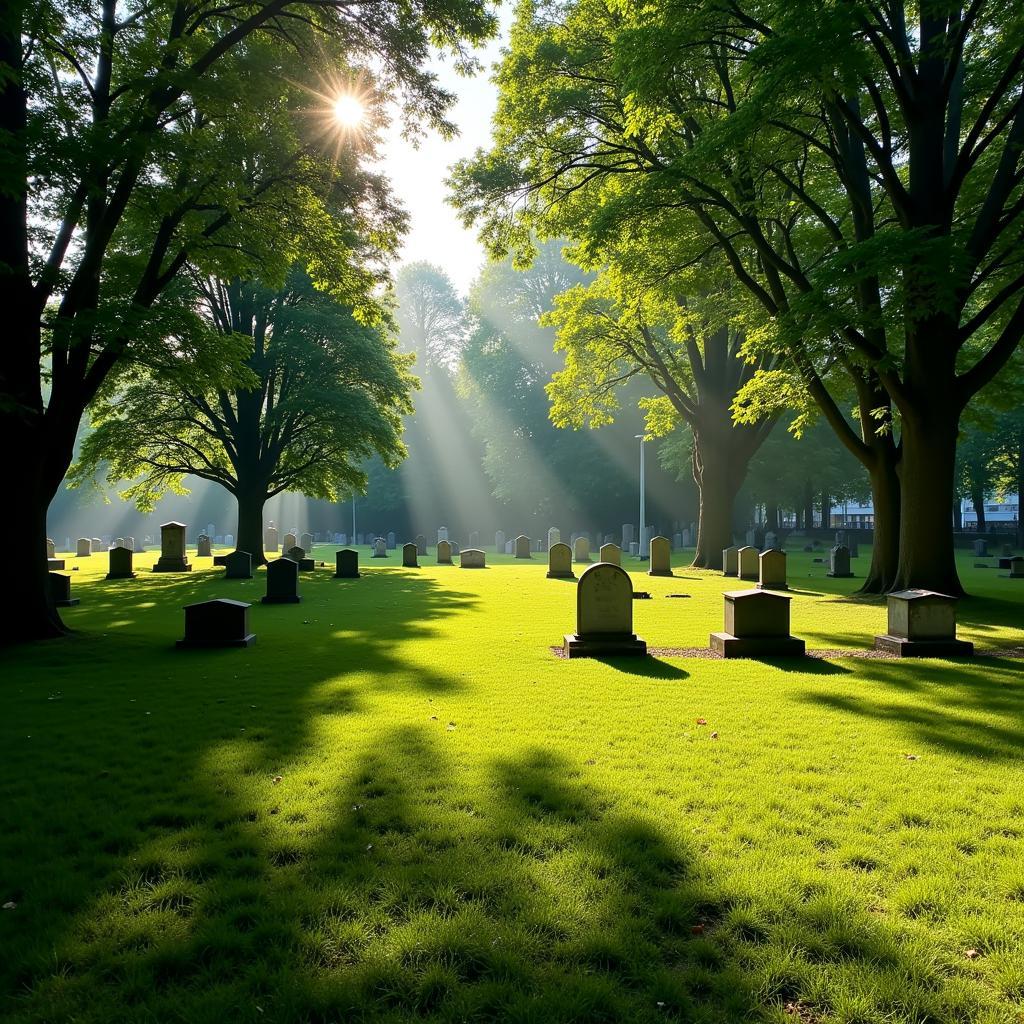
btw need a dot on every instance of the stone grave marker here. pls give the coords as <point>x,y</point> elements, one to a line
<point>474,539</point>
<point>661,557</point>
<point>756,626</point>
<point>380,548</point>
<point>229,540</point>
<point>203,549</point>
<point>60,590</point>
<point>307,542</point>
<point>282,582</point>
<point>360,539</point>
<point>391,541</point>
<point>1006,551</point>
<point>679,541</point>
<point>238,566</point>
<point>444,553</point>
<point>772,570</point>
<point>120,564</point>
<point>421,544</point>
<point>839,563</point>
<point>771,540</point>
<point>53,564</point>
<point>84,548</point>
<point>409,553</point>
<point>634,548</point>
<point>346,564</point>
<point>442,533</point>
<point>604,615</point>
<point>554,536</point>
<point>172,549</point>
<point>730,561</point>
<point>747,558</point>
<point>218,623</point>
<point>472,558</point>
<point>1016,568</point>
<point>298,556</point>
<point>522,547</point>
<point>500,540</point>
<point>981,548</point>
<point>581,549</point>
<point>270,542</point>
<point>51,548</point>
<point>509,547</point>
<point>290,541</point>
<point>627,536</point>
<point>455,547</point>
<point>611,553</point>
<point>560,562</point>
<point>922,624</point>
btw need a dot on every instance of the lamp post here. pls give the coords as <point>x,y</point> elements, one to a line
<point>353,520</point>
<point>643,500</point>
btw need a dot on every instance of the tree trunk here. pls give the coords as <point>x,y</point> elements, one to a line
<point>1020,492</point>
<point>927,471</point>
<point>826,509</point>
<point>771,517</point>
<point>808,506</point>
<point>718,490</point>
<point>958,514</point>
<point>249,536</point>
<point>885,542</point>
<point>978,501</point>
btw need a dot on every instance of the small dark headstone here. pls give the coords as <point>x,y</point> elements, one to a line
<point>238,565</point>
<point>346,564</point>
<point>120,565</point>
<point>298,556</point>
<point>282,582</point>
<point>218,623</point>
<point>60,590</point>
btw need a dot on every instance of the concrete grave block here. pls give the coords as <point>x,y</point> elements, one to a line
<point>661,557</point>
<point>346,564</point>
<point>756,626</point>
<point>604,615</point>
<point>922,624</point>
<point>282,582</point>
<point>472,558</point>
<point>218,623</point>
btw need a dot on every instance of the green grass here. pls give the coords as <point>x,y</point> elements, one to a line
<point>398,805</point>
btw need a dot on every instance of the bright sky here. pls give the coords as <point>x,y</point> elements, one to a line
<point>417,175</point>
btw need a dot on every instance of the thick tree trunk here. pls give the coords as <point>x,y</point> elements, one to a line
<point>927,486</point>
<point>826,509</point>
<point>718,489</point>
<point>885,543</point>
<point>771,517</point>
<point>1020,493</point>
<point>978,501</point>
<point>249,536</point>
<point>958,514</point>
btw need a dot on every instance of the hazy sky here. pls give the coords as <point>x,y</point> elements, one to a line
<point>417,175</point>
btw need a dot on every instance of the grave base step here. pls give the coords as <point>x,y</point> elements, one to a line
<point>605,645</point>
<point>244,641</point>
<point>729,646</point>
<point>901,647</point>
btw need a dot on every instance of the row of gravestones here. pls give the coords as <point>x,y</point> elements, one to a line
<point>561,557</point>
<point>757,622</point>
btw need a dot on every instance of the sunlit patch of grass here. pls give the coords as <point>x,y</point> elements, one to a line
<point>399,805</point>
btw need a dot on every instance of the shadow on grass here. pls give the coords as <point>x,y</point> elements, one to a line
<point>647,666</point>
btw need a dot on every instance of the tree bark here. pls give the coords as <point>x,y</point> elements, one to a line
<point>958,514</point>
<point>249,535</point>
<point>978,501</point>
<point>808,523</point>
<point>885,542</point>
<point>717,489</point>
<point>826,507</point>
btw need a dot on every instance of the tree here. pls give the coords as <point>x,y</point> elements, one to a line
<point>322,394</point>
<point>431,318</point>
<point>613,330</point>
<point>138,137</point>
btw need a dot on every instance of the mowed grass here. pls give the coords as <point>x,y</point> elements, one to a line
<point>399,805</point>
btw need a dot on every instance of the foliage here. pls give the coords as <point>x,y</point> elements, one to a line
<point>431,317</point>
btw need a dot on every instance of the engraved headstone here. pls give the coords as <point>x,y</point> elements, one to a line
<point>444,553</point>
<point>238,566</point>
<point>218,623</point>
<point>839,562</point>
<point>282,582</point>
<point>172,549</point>
<point>747,557</point>
<point>307,542</point>
<point>730,561</point>
<point>51,548</point>
<point>290,541</point>
<point>409,553</point>
<point>581,549</point>
<point>554,536</point>
<point>522,547</point>
<point>120,564</point>
<point>421,544</point>
<point>604,615</point>
<point>203,549</point>
<point>610,553</point>
<point>756,626</point>
<point>60,590</point>
<point>472,558</point>
<point>270,542</point>
<point>922,623</point>
<point>509,546</point>
<point>391,541</point>
<point>84,547</point>
<point>380,548</point>
<point>981,548</point>
<point>661,557</point>
<point>560,562</point>
<point>346,564</point>
<point>772,570</point>
<point>299,557</point>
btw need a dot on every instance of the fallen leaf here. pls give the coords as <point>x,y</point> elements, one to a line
<point>697,929</point>
<point>910,757</point>
<point>277,779</point>
<point>714,735</point>
<point>971,954</point>
<point>702,721</point>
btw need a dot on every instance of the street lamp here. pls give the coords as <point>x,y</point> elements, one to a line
<point>643,500</point>
<point>353,520</point>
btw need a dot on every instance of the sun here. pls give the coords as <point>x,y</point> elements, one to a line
<point>348,111</point>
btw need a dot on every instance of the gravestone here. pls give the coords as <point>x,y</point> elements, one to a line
<point>538,546</point>
<point>522,547</point>
<point>854,548</point>
<point>442,533</point>
<point>84,548</point>
<point>421,544</point>
<point>772,570</point>
<point>290,541</point>
<point>554,536</point>
<point>129,542</point>
<point>307,542</point>
<point>51,548</point>
<point>981,548</point>
<point>634,548</point>
<point>218,623</point>
<point>661,557</point>
<point>560,562</point>
<point>53,564</point>
<point>203,546</point>
<point>474,539</point>
<point>97,544</point>
<point>298,556</point>
<point>756,626</point>
<point>509,546</point>
<point>771,540</point>
<point>282,582</point>
<point>841,538</point>
<point>380,548</point>
<point>455,547</point>
<point>120,564</point>
<point>1016,568</point>
<point>679,541</point>
<point>346,564</point>
<point>839,563</point>
<point>409,552</point>
<point>1006,551</point>
<point>627,536</point>
<point>270,539</point>
<point>391,541</point>
<point>219,540</point>
<point>211,530</point>
<point>172,549</point>
<point>581,549</point>
<point>604,615</point>
<point>751,539</point>
<point>730,561</point>
<point>238,566</point>
<point>229,540</point>
<point>444,553</point>
<point>60,590</point>
<point>360,539</point>
<point>472,558</point>
<point>500,540</point>
<point>611,553</point>
<point>747,558</point>
<point>922,624</point>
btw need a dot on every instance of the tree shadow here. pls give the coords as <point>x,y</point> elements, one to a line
<point>648,666</point>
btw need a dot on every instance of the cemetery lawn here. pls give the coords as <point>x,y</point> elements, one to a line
<point>399,805</point>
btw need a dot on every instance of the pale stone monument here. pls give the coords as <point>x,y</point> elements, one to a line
<point>661,557</point>
<point>730,561</point>
<point>217,623</point>
<point>474,539</point>
<point>522,547</point>
<point>627,536</point>
<point>203,549</point>
<point>421,544</point>
<point>442,533</point>
<point>391,541</point>
<point>282,582</point>
<point>756,626</point>
<point>290,541</point>
<point>634,548</point>
<point>1016,568</point>
<point>554,536</point>
<point>172,549</point>
<point>238,566</point>
<point>472,558</point>
<point>60,590</point>
<point>229,540</point>
<point>51,548</point>
<point>839,563</point>
<point>84,548</point>
<point>500,540</point>
<point>922,623</point>
<point>581,549</point>
<point>981,548</point>
<point>772,570</point>
<point>444,553</point>
<point>771,540</point>
<point>270,542</point>
<point>306,542</point>
<point>380,548</point>
<point>120,564</point>
<point>409,553</point>
<point>604,615</point>
<point>346,564</point>
<point>747,559</point>
<point>560,562</point>
<point>611,553</point>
